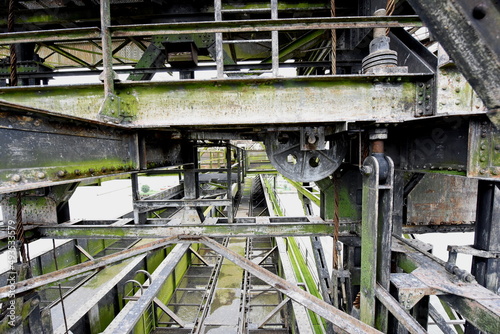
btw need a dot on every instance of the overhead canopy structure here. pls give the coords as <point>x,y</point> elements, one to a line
<point>384,114</point>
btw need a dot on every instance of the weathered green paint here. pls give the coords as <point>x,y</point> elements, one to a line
<point>240,101</point>
<point>475,312</point>
<point>369,222</point>
<point>315,199</point>
<point>303,274</point>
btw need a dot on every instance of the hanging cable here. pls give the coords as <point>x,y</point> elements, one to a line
<point>20,228</point>
<point>389,10</point>
<point>333,34</point>
<point>13,54</point>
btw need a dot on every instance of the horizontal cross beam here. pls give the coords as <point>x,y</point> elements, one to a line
<point>214,231</point>
<point>212,27</point>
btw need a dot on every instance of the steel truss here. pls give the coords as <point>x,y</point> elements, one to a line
<point>415,140</point>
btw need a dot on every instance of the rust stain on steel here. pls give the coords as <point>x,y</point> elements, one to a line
<point>42,280</point>
<point>444,199</point>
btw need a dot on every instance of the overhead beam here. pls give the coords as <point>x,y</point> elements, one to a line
<point>213,27</point>
<point>45,150</point>
<point>240,101</point>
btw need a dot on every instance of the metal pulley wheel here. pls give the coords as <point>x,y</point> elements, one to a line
<point>285,153</point>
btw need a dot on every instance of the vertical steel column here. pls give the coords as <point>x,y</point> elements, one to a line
<point>107,49</point>
<point>384,238</point>
<point>487,238</point>
<point>376,230</point>
<point>369,225</point>
<point>139,218</point>
<point>238,161</point>
<point>274,40</point>
<point>230,211</point>
<point>191,190</point>
<point>219,51</point>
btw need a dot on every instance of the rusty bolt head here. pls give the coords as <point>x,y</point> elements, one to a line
<point>40,175</point>
<point>16,178</point>
<point>61,173</point>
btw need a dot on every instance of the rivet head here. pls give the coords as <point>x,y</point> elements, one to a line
<point>91,170</point>
<point>16,178</point>
<point>77,172</point>
<point>497,147</point>
<point>40,175</point>
<point>104,169</point>
<point>483,147</point>
<point>61,173</point>
<point>483,159</point>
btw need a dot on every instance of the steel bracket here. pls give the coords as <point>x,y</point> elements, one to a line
<point>114,111</point>
<point>410,289</point>
<point>426,98</point>
<point>484,148</point>
<point>312,138</point>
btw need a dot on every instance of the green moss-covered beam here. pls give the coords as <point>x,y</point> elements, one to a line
<point>218,230</point>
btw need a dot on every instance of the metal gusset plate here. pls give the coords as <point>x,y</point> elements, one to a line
<point>284,152</point>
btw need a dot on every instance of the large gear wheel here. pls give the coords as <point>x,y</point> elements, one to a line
<point>284,152</point>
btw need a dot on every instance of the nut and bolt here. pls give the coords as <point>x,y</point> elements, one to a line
<point>366,170</point>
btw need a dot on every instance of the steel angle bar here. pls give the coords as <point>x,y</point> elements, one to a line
<point>148,205</point>
<point>54,35</point>
<point>234,26</point>
<point>158,231</point>
<point>125,321</point>
<point>42,280</point>
<point>474,302</point>
<point>341,321</point>
<point>398,311</point>
<point>300,313</point>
